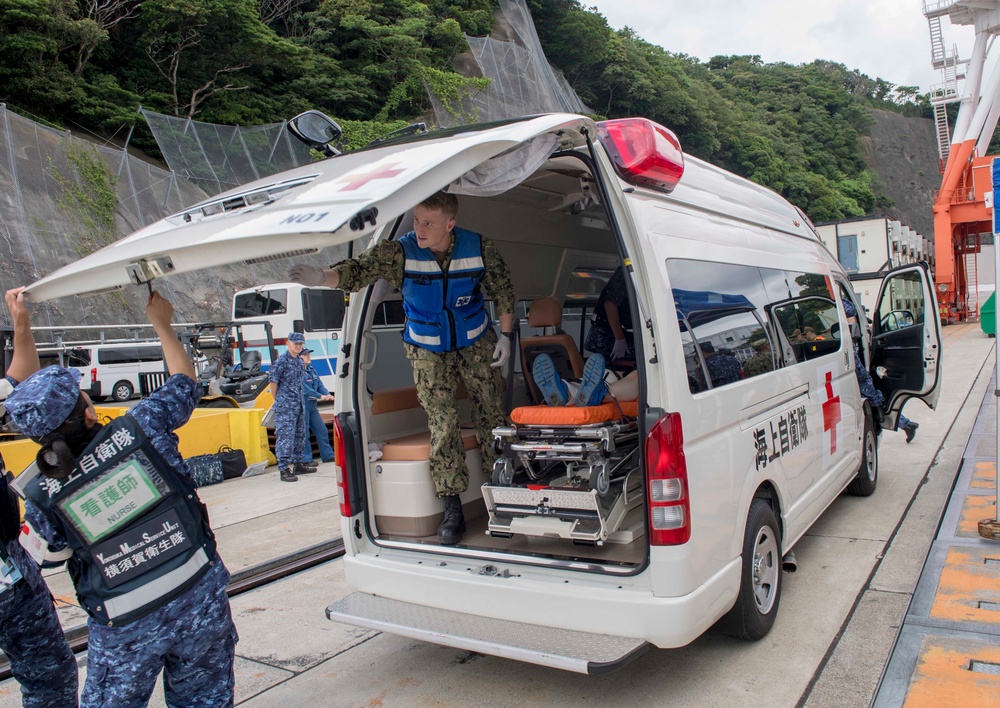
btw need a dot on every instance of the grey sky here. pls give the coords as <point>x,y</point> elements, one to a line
<point>881,38</point>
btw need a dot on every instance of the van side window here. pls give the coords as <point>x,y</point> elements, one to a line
<point>903,304</point>
<point>722,320</point>
<point>803,307</point>
<point>129,355</point>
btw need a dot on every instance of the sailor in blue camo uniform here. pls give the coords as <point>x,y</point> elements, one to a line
<point>191,638</point>
<point>30,634</point>
<point>313,391</point>
<point>285,378</point>
<point>722,367</point>
<point>867,386</point>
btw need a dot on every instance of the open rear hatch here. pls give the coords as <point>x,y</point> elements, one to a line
<point>299,212</point>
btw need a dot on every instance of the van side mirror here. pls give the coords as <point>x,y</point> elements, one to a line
<point>317,130</point>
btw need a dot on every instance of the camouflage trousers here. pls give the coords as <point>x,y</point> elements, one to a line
<point>436,376</point>
<point>192,639</point>
<point>32,639</point>
<point>290,432</point>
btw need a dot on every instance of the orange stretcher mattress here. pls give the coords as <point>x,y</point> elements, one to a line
<point>572,415</point>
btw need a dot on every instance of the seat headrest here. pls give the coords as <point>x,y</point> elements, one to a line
<point>250,358</point>
<point>545,312</point>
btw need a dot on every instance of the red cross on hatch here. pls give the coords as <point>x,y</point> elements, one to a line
<point>357,181</point>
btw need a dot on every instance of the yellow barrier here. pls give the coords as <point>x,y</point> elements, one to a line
<point>206,431</point>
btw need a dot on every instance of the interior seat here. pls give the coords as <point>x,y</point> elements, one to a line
<point>250,363</point>
<point>545,314</point>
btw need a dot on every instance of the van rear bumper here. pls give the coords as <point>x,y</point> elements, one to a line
<point>566,600</point>
<point>582,652</point>
<point>93,390</point>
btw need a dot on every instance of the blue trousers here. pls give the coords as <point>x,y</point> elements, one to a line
<point>290,431</point>
<point>868,390</point>
<point>32,639</point>
<point>192,639</point>
<point>314,422</point>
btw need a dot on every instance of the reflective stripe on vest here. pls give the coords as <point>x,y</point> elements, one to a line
<point>160,587</point>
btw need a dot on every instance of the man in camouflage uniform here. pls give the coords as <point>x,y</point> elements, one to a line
<point>285,378</point>
<point>30,635</point>
<point>189,633</point>
<point>440,270</point>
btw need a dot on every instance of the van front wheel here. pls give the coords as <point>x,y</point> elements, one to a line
<point>760,581</point>
<point>863,485</point>
<point>122,391</point>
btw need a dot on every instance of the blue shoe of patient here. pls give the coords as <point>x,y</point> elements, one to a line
<point>552,387</point>
<point>592,387</point>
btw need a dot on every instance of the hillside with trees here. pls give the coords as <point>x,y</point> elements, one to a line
<point>88,64</point>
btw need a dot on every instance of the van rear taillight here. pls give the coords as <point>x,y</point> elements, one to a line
<point>644,153</point>
<point>93,375</point>
<point>340,460</point>
<point>667,484</point>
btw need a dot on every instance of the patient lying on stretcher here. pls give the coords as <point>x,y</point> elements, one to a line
<point>591,390</point>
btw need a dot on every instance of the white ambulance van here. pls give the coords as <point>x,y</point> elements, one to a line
<point>599,532</point>
<point>316,312</point>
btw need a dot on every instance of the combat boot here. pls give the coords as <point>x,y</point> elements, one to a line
<point>453,526</point>
<point>286,475</point>
<point>304,468</point>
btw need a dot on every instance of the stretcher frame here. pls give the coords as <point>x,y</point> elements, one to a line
<point>576,482</point>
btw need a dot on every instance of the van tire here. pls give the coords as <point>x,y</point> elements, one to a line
<point>863,485</point>
<point>122,391</point>
<point>756,607</point>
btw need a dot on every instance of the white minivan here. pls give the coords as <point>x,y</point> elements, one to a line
<point>599,532</point>
<point>112,370</point>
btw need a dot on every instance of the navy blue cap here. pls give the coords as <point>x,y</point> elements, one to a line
<point>44,401</point>
<point>849,308</point>
<point>297,337</point>
<point>307,351</point>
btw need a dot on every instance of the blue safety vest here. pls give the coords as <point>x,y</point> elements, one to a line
<point>444,311</point>
<point>139,533</point>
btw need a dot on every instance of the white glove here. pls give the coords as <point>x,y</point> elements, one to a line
<point>307,275</point>
<point>501,353</point>
<point>620,349</point>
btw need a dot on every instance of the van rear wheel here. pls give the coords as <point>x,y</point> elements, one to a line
<point>756,607</point>
<point>122,391</point>
<point>867,479</point>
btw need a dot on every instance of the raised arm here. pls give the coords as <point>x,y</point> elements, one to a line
<point>25,360</point>
<point>160,312</point>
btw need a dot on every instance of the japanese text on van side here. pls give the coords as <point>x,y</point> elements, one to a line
<point>781,437</point>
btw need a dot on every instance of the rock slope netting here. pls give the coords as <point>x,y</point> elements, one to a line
<point>63,197</point>
<point>903,152</point>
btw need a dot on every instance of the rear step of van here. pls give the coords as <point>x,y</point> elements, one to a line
<point>582,652</point>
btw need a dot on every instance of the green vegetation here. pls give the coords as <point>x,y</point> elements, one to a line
<point>90,198</point>
<point>370,63</point>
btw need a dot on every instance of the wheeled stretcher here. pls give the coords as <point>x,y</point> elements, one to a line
<point>566,472</point>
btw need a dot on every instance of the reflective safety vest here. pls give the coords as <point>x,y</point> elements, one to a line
<point>444,311</point>
<point>139,533</point>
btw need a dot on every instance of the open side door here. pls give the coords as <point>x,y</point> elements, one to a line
<point>906,339</point>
